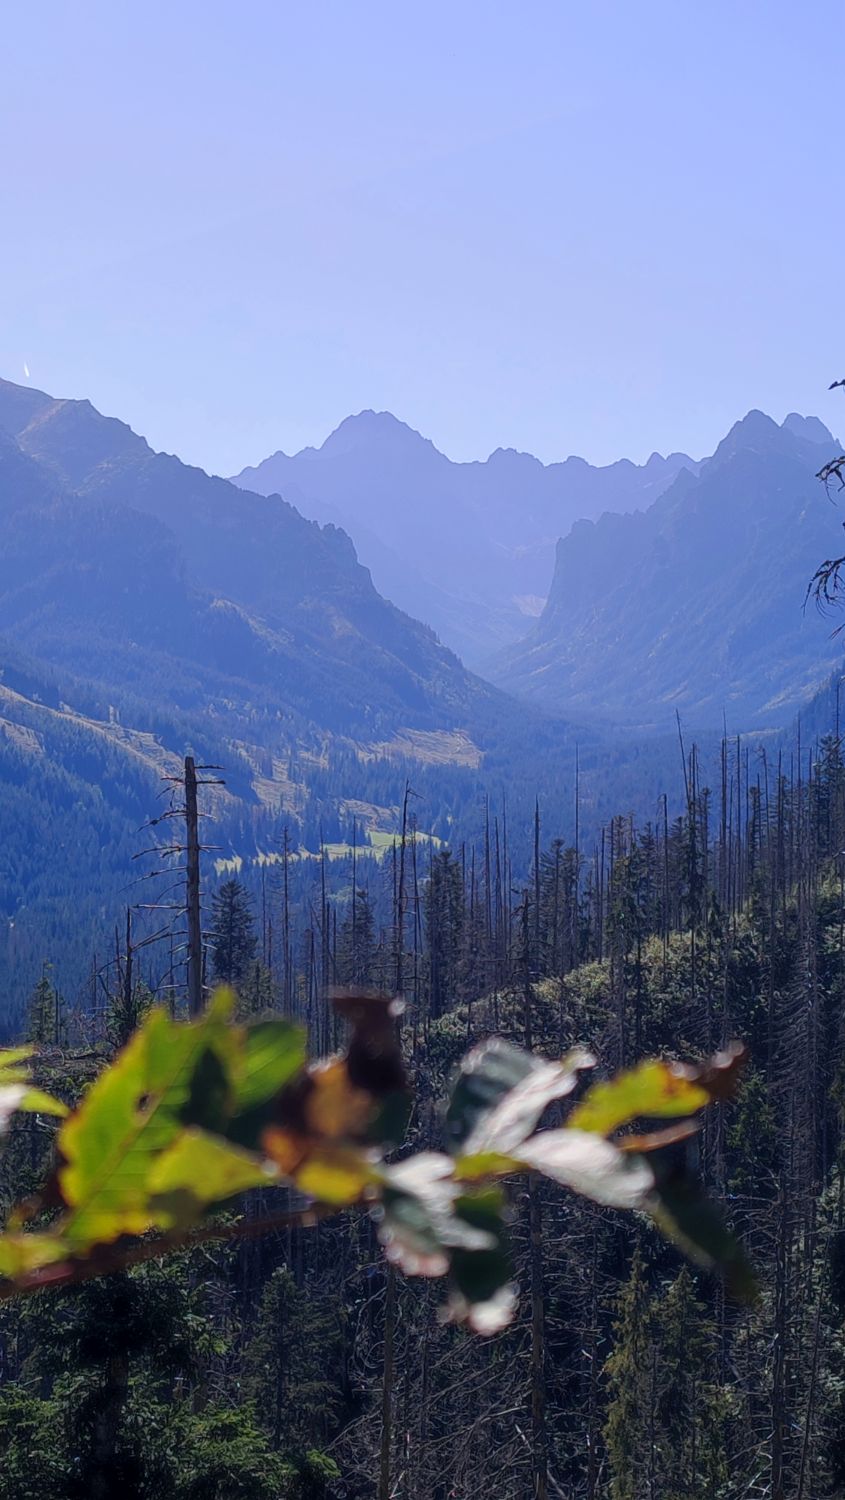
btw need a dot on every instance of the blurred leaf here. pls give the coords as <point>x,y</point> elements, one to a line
<point>657,1090</point>
<point>211,1095</point>
<point>360,1097</point>
<point>10,1063</point>
<point>485,1164</point>
<point>21,1254</point>
<point>19,1096</point>
<point>130,1114</point>
<point>418,1224</point>
<point>590,1165</point>
<point>684,1213</point>
<point>274,1051</point>
<point>35,1101</point>
<point>335,1108</point>
<point>336,1175</point>
<point>373,1056</point>
<point>196,1171</point>
<point>12,1096</point>
<point>16,1092</point>
<point>500,1094</point>
<point>482,1292</point>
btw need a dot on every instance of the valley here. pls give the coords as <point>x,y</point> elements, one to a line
<point>148,609</point>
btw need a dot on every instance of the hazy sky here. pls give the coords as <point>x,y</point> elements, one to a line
<point>584,227</point>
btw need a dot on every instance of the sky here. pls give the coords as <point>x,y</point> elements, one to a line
<point>602,227</point>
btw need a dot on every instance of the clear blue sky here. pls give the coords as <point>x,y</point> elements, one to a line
<point>585,227</point>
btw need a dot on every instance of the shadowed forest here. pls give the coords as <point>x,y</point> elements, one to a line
<point>300,1364</point>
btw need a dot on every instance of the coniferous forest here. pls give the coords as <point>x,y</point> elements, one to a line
<point>300,1363</point>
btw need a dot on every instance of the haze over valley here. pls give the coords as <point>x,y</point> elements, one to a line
<point>143,601</point>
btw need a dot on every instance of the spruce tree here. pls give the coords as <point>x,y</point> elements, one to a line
<point>356,942</point>
<point>233,938</point>
<point>42,1010</point>
<point>629,1427</point>
<point>290,1361</point>
<point>444,912</point>
<point>690,1408</point>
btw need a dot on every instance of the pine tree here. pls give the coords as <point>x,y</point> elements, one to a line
<point>42,1011</point>
<point>356,942</point>
<point>690,1408</point>
<point>233,937</point>
<point>289,1363</point>
<point>630,1414</point>
<point>444,912</point>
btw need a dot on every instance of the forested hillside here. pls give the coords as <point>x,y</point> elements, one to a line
<point>148,610</point>
<point>300,1365</point>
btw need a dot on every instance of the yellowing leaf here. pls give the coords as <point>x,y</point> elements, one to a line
<point>21,1254</point>
<point>198,1170</point>
<point>10,1060</point>
<point>336,1175</point>
<point>335,1109</point>
<point>485,1164</point>
<point>36,1102</point>
<point>657,1090</point>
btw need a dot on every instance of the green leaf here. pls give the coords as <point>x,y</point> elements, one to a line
<point>36,1102</point>
<point>483,1295</point>
<point>211,1095</point>
<point>684,1213</point>
<point>591,1166</point>
<point>132,1112</point>
<point>196,1171</point>
<point>10,1060</point>
<point>274,1051</point>
<point>501,1093</point>
<point>657,1090</point>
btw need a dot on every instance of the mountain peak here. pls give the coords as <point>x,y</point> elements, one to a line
<point>808,428</point>
<point>753,431</point>
<point>513,460</point>
<point>374,427</point>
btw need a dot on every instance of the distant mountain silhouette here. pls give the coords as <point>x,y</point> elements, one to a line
<point>125,563</point>
<point>467,547</point>
<point>695,603</point>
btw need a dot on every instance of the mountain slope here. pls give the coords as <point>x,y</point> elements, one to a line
<point>469,547</point>
<point>696,603</point>
<point>124,554</point>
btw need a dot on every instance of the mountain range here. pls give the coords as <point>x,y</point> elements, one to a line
<point>695,604</point>
<point>131,567</point>
<point>467,547</point>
